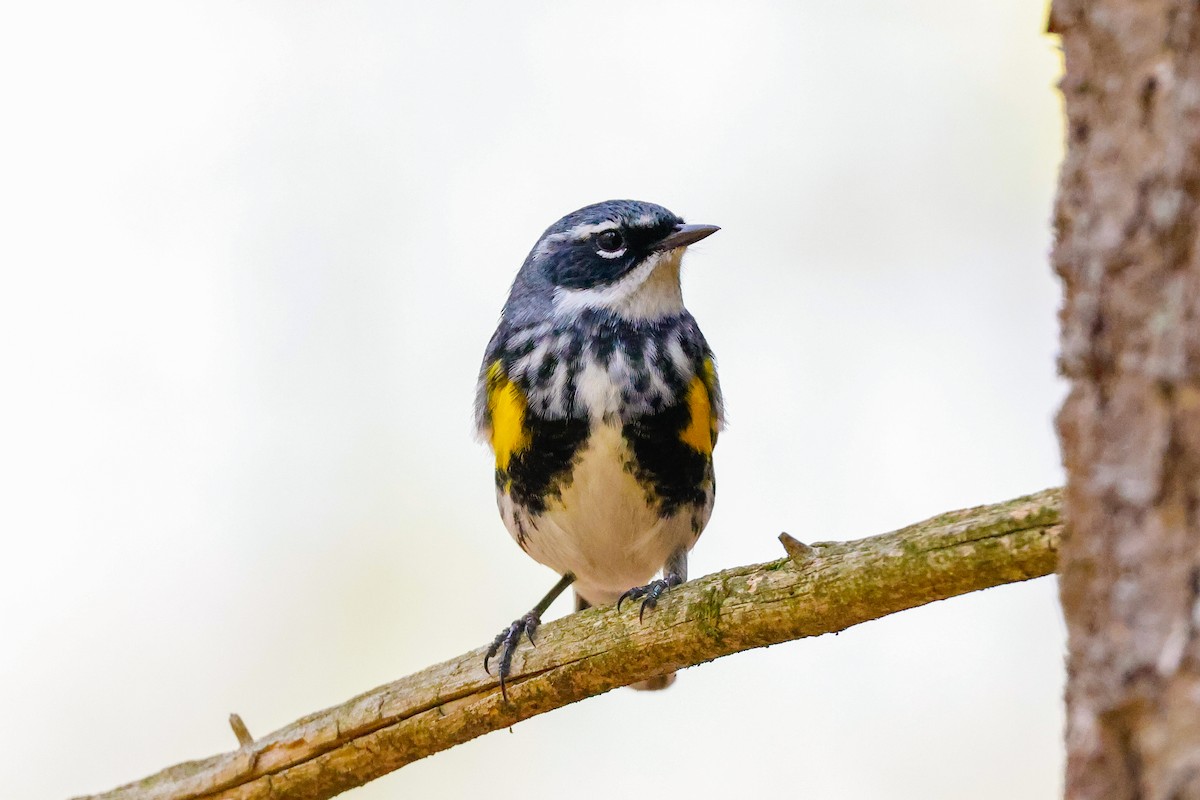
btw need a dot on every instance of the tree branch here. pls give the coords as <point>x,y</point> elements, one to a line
<point>822,588</point>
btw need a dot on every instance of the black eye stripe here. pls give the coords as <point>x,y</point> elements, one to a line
<point>597,245</point>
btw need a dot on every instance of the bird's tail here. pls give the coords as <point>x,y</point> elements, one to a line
<point>655,683</point>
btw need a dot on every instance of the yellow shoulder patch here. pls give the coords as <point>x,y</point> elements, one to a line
<point>506,410</point>
<point>709,374</point>
<point>701,431</point>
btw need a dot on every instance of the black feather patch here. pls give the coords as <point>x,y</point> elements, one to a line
<point>541,472</point>
<point>679,475</point>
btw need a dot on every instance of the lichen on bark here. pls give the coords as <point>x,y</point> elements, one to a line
<point>833,586</point>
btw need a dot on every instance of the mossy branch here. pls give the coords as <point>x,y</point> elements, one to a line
<point>819,588</point>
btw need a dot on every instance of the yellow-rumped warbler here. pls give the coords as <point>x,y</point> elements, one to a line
<point>599,397</point>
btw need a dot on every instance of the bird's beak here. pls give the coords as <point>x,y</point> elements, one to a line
<point>683,235</point>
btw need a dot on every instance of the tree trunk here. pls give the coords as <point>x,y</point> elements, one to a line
<point>1130,428</point>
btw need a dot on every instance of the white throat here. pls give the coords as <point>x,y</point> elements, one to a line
<point>651,291</point>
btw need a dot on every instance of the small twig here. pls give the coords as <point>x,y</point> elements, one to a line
<point>797,551</point>
<point>240,731</point>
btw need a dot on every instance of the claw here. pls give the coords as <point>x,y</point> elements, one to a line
<point>509,638</point>
<point>493,649</point>
<point>651,592</point>
<point>629,595</point>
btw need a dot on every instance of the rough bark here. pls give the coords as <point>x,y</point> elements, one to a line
<point>1130,428</point>
<point>819,588</point>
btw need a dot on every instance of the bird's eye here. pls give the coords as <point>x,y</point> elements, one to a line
<point>610,241</point>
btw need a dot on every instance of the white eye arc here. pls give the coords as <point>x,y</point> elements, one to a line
<point>610,243</point>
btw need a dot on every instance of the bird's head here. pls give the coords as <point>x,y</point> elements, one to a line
<point>619,256</point>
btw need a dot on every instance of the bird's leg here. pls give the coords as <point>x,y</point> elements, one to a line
<point>510,637</point>
<point>674,573</point>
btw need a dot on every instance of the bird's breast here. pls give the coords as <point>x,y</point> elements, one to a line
<point>606,523</point>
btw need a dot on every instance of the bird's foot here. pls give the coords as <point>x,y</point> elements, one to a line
<point>506,643</point>
<point>650,593</point>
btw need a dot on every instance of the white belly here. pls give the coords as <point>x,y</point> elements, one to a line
<point>602,529</point>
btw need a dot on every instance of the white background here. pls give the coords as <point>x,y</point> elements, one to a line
<point>251,253</point>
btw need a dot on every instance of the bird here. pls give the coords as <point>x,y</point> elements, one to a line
<point>598,396</point>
